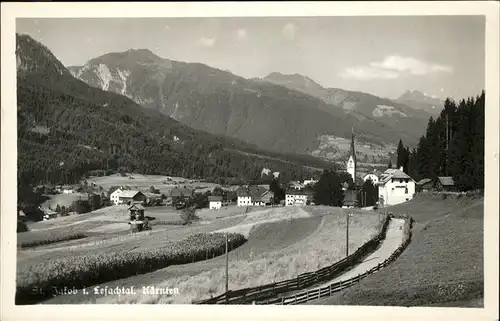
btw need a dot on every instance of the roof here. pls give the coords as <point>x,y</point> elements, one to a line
<point>215,198</point>
<point>136,206</point>
<point>128,194</point>
<point>151,195</point>
<point>252,191</point>
<point>424,181</point>
<point>446,180</point>
<point>305,191</point>
<point>391,173</point>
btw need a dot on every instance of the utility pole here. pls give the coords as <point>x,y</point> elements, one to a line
<point>227,266</point>
<point>347,235</point>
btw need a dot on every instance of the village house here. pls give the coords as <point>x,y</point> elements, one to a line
<point>309,182</point>
<point>254,196</point>
<point>445,184</point>
<point>424,185</point>
<point>371,176</point>
<point>152,198</point>
<point>395,187</point>
<point>296,185</point>
<point>121,196</point>
<point>214,202</point>
<point>298,197</point>
<point>67,189</point>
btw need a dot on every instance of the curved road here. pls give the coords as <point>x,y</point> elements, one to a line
<point>393,239</point>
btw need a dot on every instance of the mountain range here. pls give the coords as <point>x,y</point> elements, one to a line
<point>283,113</point>
<point>67,128</point>
<point>420,101</point>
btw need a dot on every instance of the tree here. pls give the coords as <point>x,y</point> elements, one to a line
<point>278,191</point>
<point>188,214</point>
<point>94,201</point>
<point>369,194</point>
<point>81,206</point>
<point>328,190</point>
<point>390,164</point>
<point>58,208</point>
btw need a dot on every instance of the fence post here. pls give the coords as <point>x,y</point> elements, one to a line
<point>330,290</point>
<point>282,300</point>
<point>307,296</point>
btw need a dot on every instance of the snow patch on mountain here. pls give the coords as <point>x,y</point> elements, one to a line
<point>384,110</point>
<point>102,71</point>
<point>123,74</point>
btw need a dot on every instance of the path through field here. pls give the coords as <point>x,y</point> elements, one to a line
<point>393,240</point>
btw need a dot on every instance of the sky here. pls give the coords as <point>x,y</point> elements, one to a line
<point>383,55</point>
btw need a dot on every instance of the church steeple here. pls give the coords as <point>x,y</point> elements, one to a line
<point>351,162</point>
<point>352,151</point>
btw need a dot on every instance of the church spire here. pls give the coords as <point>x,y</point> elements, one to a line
<point>352,152</point>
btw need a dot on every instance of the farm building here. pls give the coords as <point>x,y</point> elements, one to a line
<point>136,211</point>
<point>152,198</point>
<point>395,187</point>
<point>121,196</point>
<point>445,184</point>
<point>298,197</point>
<point>214,202</point>
<point>424,185</point>
<point>254,196</point>
<point>350,198</point>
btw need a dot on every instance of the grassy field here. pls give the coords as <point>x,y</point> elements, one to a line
<point>62,200</point>
<point>278,248</point>
<point>144,182</point>
<point>443,265</point>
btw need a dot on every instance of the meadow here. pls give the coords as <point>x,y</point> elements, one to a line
<point>442,266</point>
<point>278,248</point>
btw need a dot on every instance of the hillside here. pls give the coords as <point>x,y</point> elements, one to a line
<point>270,116</point>
<point>442,266</point>
<point>367,108</point>
<point>66,128</point>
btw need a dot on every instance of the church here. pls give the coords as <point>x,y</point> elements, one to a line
<point>351,162</point>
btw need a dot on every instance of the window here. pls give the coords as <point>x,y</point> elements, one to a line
<point>406,190</point>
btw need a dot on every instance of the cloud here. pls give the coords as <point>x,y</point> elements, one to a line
<point>241,34</point>
<point>289,31</point>
<point>207,42</point>
<point>393,67</point>
<point>410,65</point>
<point>368,73</point>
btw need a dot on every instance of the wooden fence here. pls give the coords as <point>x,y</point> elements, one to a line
<point>339,286</point>
<point>302,281</point>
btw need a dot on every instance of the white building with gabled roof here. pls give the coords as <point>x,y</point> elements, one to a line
<point>395,187</point>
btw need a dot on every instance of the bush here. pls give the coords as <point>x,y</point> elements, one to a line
<point>95,268</point>
<point>188,214</point>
